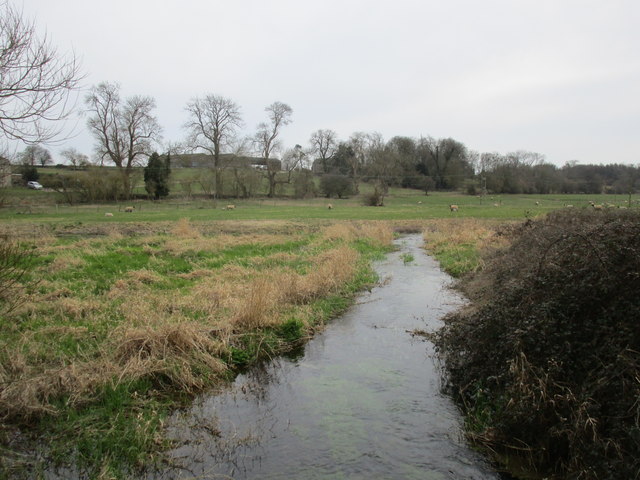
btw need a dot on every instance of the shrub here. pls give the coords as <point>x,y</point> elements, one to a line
<point>373,199</point>
<point>336,185</point>
<point>29,173</point>
<point>548,357</point>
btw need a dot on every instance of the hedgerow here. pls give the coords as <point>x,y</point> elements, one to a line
<point>546,359</point>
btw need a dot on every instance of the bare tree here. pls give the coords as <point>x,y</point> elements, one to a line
<point>212,126</point>
<point>324,144</point>
<point>36,82</point>
<point>124,130</point>
<point>75,158</point>
<point>35,155</point>
<point>267,141</point>
<point>359,143</point>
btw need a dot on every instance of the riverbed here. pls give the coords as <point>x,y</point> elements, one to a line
<point>361,400</point>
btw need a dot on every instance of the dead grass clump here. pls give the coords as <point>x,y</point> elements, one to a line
<point>30,393</point>
<point>254,307</point>
<point>339,231</point>
<point>185,354</point>
<point>144,276</point>
<point>184,229</point>
<point>65,261</point>
<point>379,232</point>
<point>458,231</point>
<point>207,297</point>
<point>70,307</point>
<point>197,274</point>
<point>331,270</point>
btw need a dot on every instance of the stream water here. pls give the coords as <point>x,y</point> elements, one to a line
<point>361,401</point>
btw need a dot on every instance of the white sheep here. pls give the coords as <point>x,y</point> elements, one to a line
<point>129,209</point>
<point>453,208</point>
<point>231,207</point>
<point>329,206</point>
<point>108,214</point>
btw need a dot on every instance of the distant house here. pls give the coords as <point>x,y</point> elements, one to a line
<point>5,172</point>
<point>228,160</point>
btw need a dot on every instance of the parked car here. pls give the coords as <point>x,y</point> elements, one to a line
<point>34,185</point>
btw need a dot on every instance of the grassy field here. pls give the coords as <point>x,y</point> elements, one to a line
<point>115,330</point>
<point>401,204</point>
<point>128,316</point>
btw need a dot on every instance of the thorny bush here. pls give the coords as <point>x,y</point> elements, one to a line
<point>546,360</point>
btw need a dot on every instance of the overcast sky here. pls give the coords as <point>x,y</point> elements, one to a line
<point>558,77</point>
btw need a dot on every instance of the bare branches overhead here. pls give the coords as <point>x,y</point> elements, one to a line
<point>36,82</point>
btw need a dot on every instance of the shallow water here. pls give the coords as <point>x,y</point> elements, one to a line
<point>361,401</point>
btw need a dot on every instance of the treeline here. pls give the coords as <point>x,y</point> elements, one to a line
<point>233,164</point>
<point>338,169</point>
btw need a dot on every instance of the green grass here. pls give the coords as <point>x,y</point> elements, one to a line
<point>399,205</point>
<point>117,428</point>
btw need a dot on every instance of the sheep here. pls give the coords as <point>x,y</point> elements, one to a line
<point>597,207</point>
<point>129,209</point>
<point>329,206</point>
<point>569,206</point>
<point>108,214</point>
<point>496,205</point>
<point>419,202</point>
<point>453,208</point>
<point>537,204</point>
<point>231,207</point>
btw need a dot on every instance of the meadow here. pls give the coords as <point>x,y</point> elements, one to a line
<point>120,319</point>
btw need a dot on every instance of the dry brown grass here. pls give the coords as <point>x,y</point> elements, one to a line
<point>28,391</point>
<point>331,270</point>
<point>177,337</point>
<point>254,305</point>
<point>379,232</point>
<point>176,351</point>
<point>64,261</point>
<point>184,229</point>
<point>463,231</point>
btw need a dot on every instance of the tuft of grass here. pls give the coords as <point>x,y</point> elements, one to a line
<point>407,258</point>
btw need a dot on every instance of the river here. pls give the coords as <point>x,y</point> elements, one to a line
<point>361,400</point>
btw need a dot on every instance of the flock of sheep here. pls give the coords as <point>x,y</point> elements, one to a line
<point>452,207</point>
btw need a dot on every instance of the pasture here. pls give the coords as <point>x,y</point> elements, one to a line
<point>401,204</point>
<point>119,319</point>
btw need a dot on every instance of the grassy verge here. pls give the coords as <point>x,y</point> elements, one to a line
<point>459,244</point>
<point>121,328</point>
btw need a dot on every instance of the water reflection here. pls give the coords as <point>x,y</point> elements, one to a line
<point>362,402</point>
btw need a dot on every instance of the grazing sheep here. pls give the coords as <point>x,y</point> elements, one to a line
<point>453,208</point>
<point>419,202</point>
<point>108,214</point>
<point>329,206</point>
<point>537,204</point>
<point>597,207</point>
<point>569,206</point>
<point>496,205</point>
<point>129,209</point>
<point>231,207</point>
